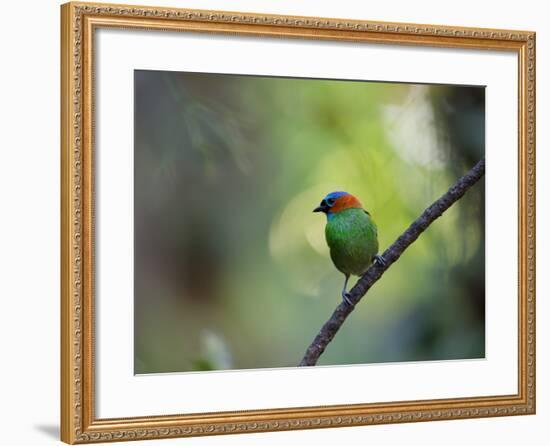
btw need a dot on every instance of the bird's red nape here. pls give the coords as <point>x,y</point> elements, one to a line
<point>343,202</point>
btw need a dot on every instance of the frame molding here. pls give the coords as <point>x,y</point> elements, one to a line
<point>78,423</point>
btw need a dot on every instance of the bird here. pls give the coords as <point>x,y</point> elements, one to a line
<point>351,235</point>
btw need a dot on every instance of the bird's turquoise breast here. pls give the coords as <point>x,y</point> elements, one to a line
<point>353,240</point>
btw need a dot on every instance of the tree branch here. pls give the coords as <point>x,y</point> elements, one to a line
<point>375,271</point>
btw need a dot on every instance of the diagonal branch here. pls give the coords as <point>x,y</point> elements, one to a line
<point>342,311</point>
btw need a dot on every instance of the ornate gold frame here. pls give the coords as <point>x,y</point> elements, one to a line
<point>78,423</point>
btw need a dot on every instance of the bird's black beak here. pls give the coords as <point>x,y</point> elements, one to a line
<point>321,208</point>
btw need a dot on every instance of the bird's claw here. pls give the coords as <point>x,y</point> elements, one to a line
<point>380,260</point>
<point>346,297</point>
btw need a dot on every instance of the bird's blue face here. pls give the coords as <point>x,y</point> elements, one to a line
<point>328,203</point>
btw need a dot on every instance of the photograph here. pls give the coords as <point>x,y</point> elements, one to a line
<point>259,201</point>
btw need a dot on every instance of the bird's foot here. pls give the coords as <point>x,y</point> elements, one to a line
<point>380,260</point>
<point>346,297</point>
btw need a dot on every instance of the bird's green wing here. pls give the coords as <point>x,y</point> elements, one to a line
<point>352,237</point>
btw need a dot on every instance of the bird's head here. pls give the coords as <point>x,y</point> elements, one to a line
<point>336,202</point>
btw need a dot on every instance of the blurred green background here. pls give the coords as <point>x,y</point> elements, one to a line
<point>231,267</point>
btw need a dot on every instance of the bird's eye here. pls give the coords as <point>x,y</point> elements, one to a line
<point>330,201</point>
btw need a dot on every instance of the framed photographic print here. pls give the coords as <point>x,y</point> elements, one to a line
<point>276,223</point>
